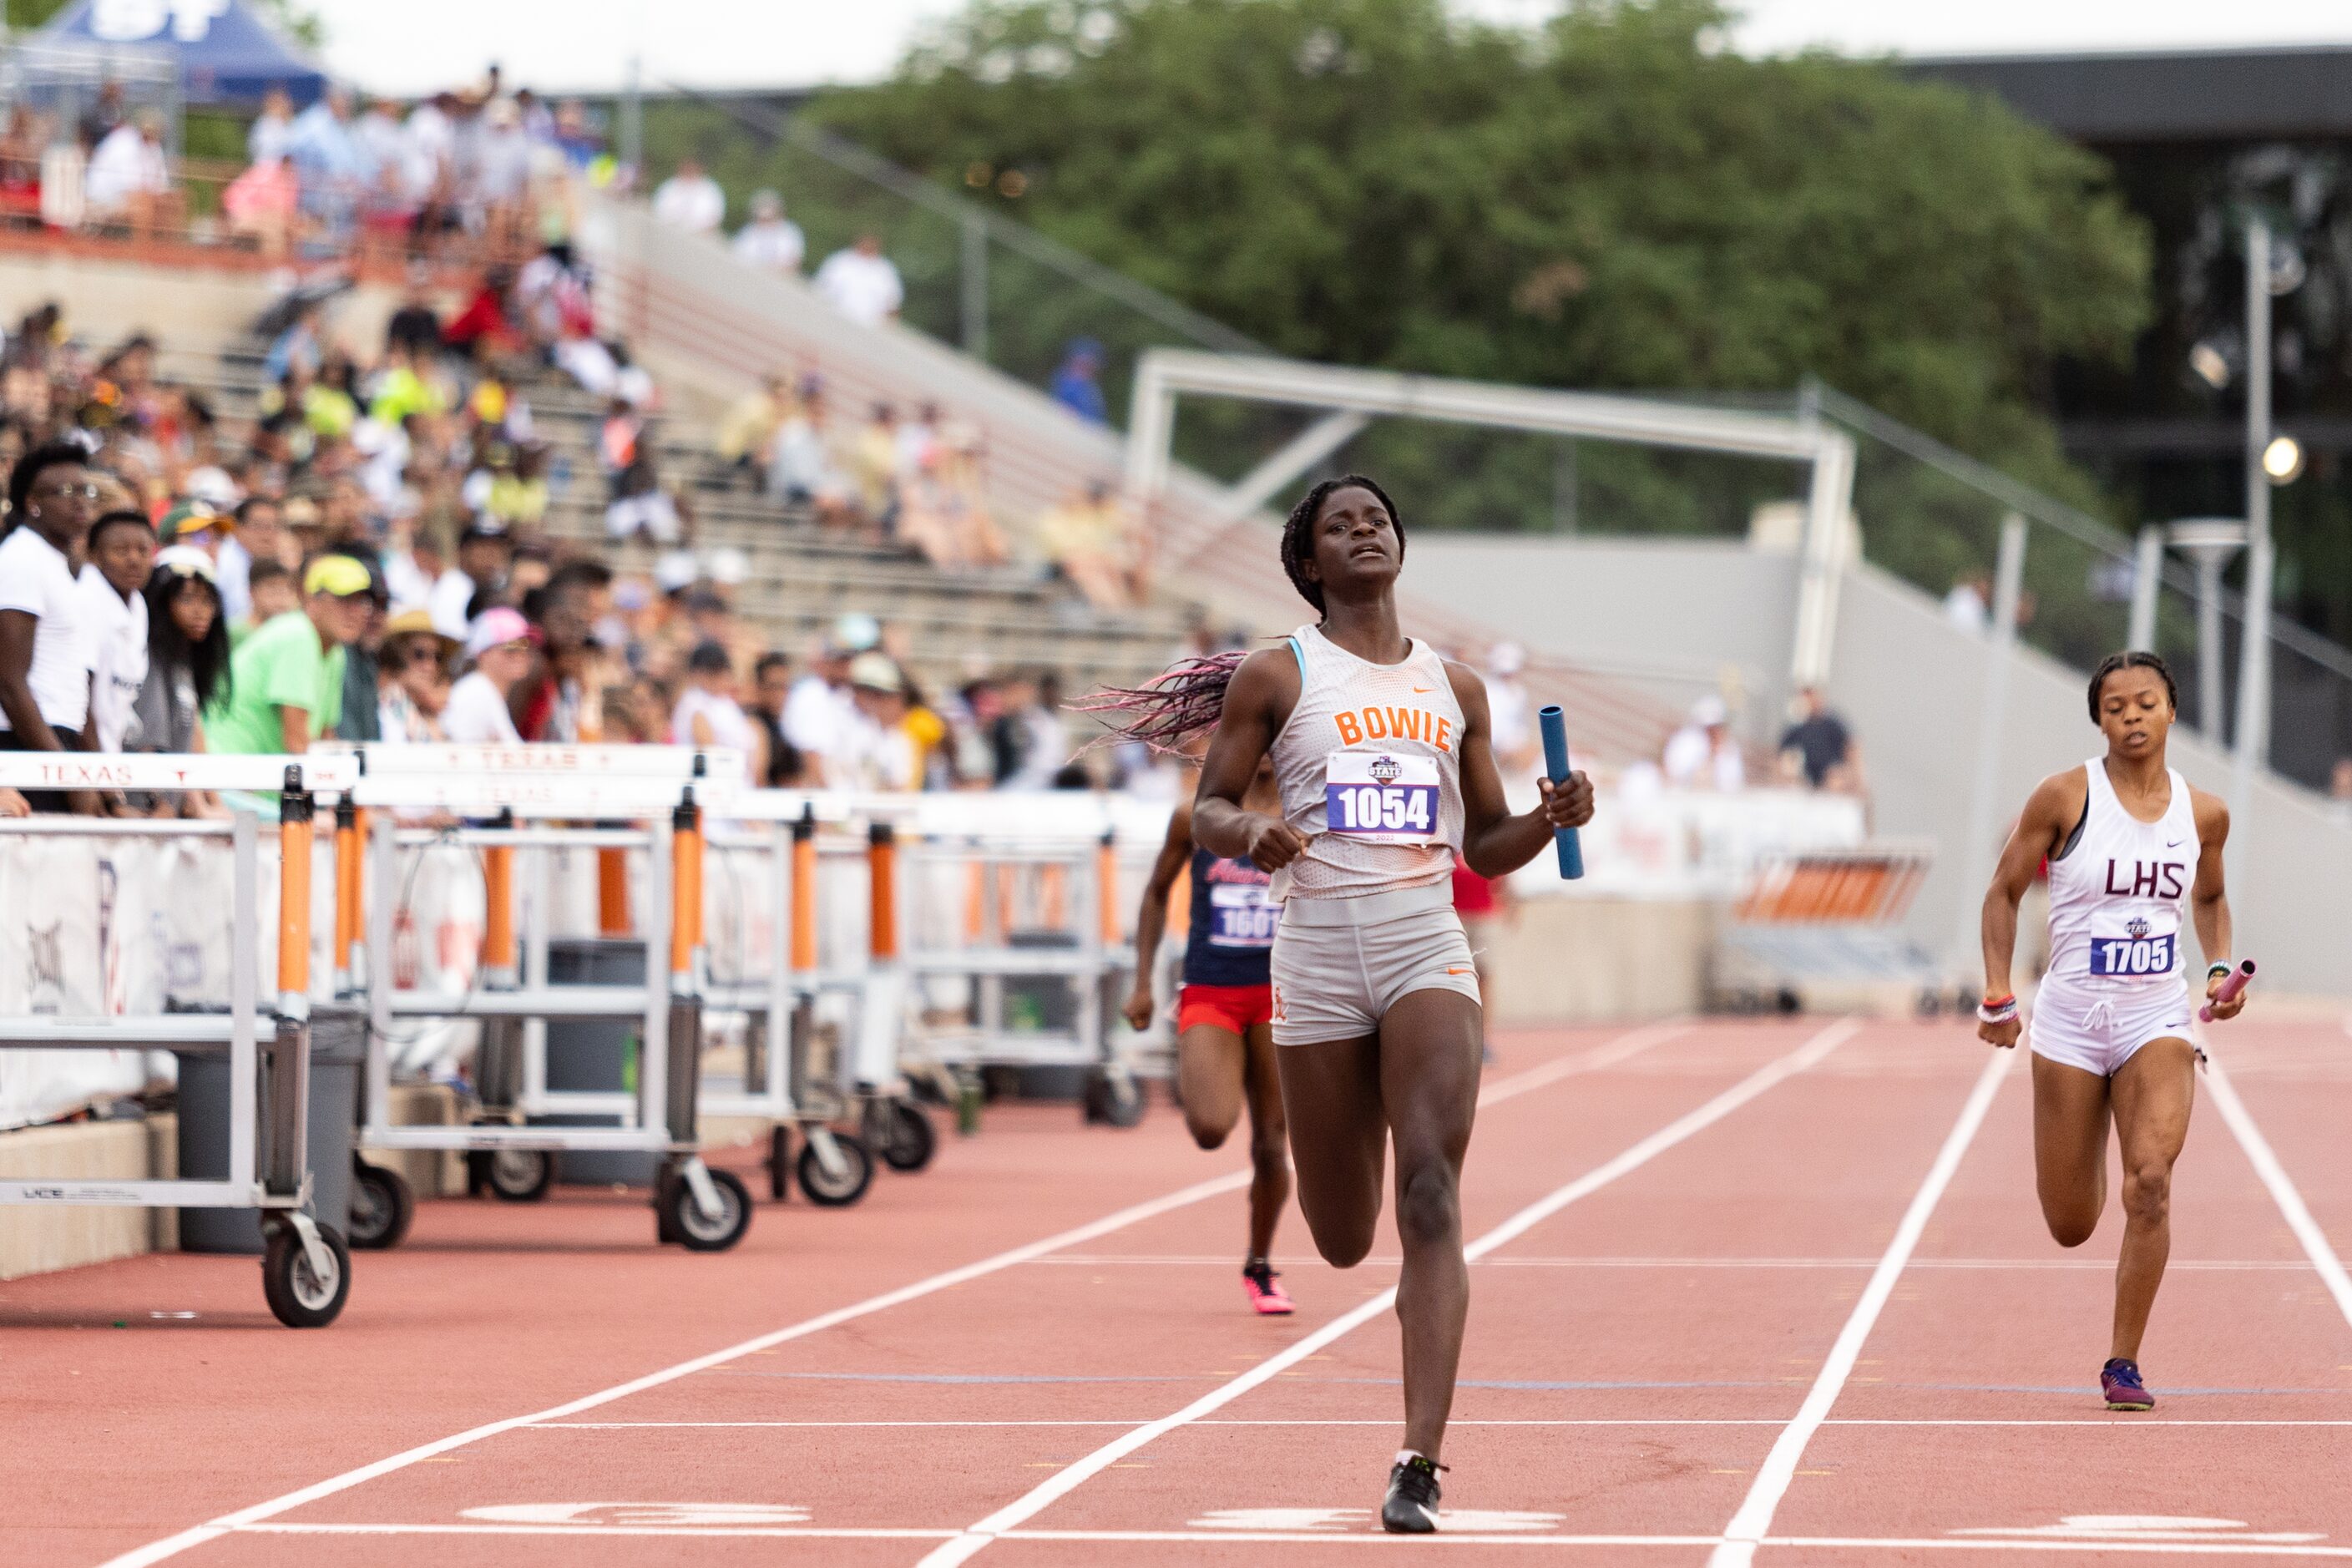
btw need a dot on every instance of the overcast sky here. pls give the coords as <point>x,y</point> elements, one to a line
<point>412,46</point>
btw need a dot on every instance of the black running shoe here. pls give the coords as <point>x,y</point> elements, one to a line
<point>1411,1507</point>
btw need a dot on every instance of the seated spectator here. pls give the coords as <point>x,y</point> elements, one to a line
<point>263,204</point>
<point>884,753</point>
<point>944,511</point>
<point>122,556</point>
<point>301,347</point>
<point>484,321</point>
<point>270,592</point>
<point>20,163</point>
<point>1076,385</point>
<point>748,427</point>
<point>414,328</point>
<point>361,719</point>
<point>286,679</point>
<point>414,686</point>
<point>803,469</point>
<point>690,199</point>
<point>708,714</point>
<point>1511,713</point>
<point>129,180</point>
<point>1086,539</point>
<point>1818,747</point>
<point>861,282</point>
<point>272,132</point>
<point>771,241</point>
<point>479,712</point>
<point>874,466</point>
<point>1702,755</point>
<point>44,668</point>
<point>187,668</point>
<point>771,695</point>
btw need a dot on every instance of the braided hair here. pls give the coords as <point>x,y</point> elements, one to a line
<point>1298,531</point>
<point>1184,701</point>
<point>2132,659</point>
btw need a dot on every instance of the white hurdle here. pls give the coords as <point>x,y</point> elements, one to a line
<point>306,1267</point>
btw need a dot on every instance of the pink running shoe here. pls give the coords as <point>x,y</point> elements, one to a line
<point>1262,1285</point>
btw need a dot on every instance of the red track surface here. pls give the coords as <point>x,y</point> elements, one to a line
<point>1715,1205</point>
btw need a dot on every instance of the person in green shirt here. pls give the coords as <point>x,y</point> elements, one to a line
<point>287,678</point>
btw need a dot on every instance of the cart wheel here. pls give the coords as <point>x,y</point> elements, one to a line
<point>382,1207</point>
<point>698,1232</point>
<point>520,1175</point>
<point>780,1162</point>
<point>901,1131</point>
<point>297,1296</point>
<point>1113,1098</point>
<point>837,1192</point>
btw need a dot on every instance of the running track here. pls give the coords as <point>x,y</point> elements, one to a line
<point>1745,1291</point>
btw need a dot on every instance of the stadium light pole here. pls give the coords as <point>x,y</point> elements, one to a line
<point>2254,639</point>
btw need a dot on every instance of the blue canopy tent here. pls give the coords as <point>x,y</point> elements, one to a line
<point>224,52</point>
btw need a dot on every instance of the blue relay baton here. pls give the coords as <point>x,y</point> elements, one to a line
<point>1555,741</point>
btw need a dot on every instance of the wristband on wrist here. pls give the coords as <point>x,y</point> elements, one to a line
<point>2215,971</point>
<point>1997,1009</point>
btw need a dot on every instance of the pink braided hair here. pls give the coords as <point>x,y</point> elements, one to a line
<point>1175,707</point>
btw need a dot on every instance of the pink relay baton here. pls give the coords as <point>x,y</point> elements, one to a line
<point>2239,978</point>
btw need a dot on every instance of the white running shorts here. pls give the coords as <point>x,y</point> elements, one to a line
<point>1340,964</point>
<point>2100,1031</point>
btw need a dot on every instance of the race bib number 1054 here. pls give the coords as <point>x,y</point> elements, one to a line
<point>1379,794</point>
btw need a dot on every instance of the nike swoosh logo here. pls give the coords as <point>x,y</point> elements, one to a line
<point>2173,843</point>
<point>1423,690</point>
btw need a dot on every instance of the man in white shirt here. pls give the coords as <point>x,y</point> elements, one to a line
<point>128,176</point>
<point>44,646</point>
<point>1510,712</point>
<point>821,717</point>
<point>690,200</point>
<point>771,241</point>
<point>121,552</point>
<point>1702,755</point>
<point>478,711</point>
<point>861,282</point>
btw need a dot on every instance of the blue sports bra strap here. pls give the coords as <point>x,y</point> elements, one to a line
<point>1298,652</point>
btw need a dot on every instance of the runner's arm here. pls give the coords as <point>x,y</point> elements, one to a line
<point>1151,918</point>
<point>2208,902</point>
<point>1494,843</point>
<point>2049,811</point>
<point>1258,704</point>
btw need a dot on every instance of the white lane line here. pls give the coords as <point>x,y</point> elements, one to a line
<point>2117,1545</point>
<point>1391,1260</point>
<point>1602,1056</point>
<point>1749,1526</point>
<point>2282,1189</point>
<point>1068,1478</point>
<point>2109,1423</point>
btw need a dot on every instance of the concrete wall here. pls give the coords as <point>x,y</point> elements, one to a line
<point>36,1240</point>
<point>1669,618</point>
<point>190,309</point>
<point>1575,961</point>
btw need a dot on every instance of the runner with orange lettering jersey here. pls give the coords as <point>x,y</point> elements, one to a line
<point>1381,749</point>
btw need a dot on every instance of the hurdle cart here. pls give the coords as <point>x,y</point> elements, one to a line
<point>649,802</point>
<point>306,1267</point>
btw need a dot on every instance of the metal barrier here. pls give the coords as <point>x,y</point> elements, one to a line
<point>305,1266</point>
<point>528,792</point>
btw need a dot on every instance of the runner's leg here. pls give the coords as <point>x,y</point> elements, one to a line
<point>2152,1094</point>
<point>1269,1142</point>
<point>2070,1148</point>
<point>1210,1066</point>
<point>1429,1077</point>
<point>1339,1141</point>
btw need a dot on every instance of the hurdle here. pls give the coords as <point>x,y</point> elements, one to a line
<point>531,796</point>
<point>305,1266</point>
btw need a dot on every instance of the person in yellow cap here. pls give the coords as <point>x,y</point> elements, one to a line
<point>286,683</point>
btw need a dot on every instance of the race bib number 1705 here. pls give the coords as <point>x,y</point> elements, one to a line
<point>1379,794</point>
<point>2128,956</point>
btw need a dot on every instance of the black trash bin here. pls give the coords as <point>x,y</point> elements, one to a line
<point>1045,1003</point>
<point>599,1054</point>
<point>337,1051</point>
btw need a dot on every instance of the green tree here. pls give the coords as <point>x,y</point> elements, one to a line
<point>1613,201</point>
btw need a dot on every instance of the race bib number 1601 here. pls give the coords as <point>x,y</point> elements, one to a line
<point>1379,794</point>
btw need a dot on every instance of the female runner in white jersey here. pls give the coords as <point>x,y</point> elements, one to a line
<point>2131,846</point>
<point>1381,751</point>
